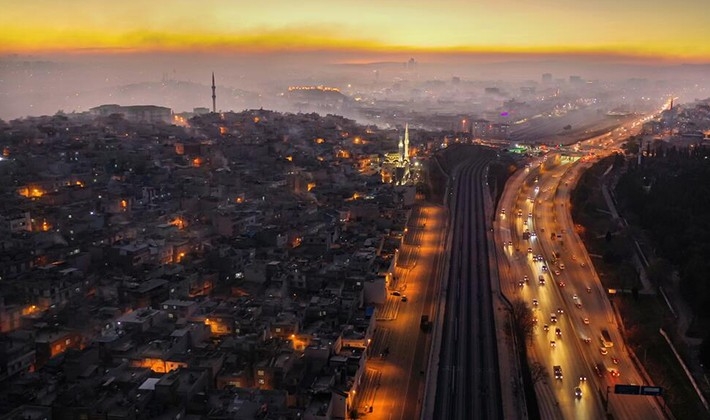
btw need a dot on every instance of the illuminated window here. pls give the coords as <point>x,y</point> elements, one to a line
<point>261,382</point>
<point>260,372</point>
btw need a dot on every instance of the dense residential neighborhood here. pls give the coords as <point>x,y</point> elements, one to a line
<point>230,265</point>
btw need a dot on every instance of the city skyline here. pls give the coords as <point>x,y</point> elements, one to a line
<point>650,30</point>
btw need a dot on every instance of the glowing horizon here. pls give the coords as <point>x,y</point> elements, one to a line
<point>652,30</point>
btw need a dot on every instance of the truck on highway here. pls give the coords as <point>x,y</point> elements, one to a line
<point>606,339</point>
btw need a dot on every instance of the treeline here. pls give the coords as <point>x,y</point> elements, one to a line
<point>669,196</point>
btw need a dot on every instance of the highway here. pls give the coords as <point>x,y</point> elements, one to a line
<point>583,122</point>
<point>580,279</point>
<point>468,379</point>
<point>536,201</point>
<point>463,380</point>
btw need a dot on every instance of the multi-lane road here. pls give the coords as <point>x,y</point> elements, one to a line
<point>537,239</point>
<point>534,239</point>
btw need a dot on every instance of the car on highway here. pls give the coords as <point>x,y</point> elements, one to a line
<point>553,318</point>
<point>585,320</point>
<point>404,299</point>
<point>598,369</point>
<point>614,373</point>
<point>558,332</point>
<point>546,327</point>
<point>535,303</point>
<point>615,360</point>
<point>603,351</point>
<point>526,279</point>
<point>396,293</point>
<point>544,268</point>
<point>561,283</point>
<point>541,280</point>
<point>578,392</point>
<point>557,272</point>
<point>529,250</point>
<point>582,378</point>
<point>502,212</point>
<point>587,340</point>
<point>533,234</point>
<point>560,310</point>
<point>562,266</point>
<point>589,289</point>
<point>553,344</point>
<point>558,372</point>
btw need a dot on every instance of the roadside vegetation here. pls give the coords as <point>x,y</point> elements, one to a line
<point>658,220</point>
<point>522,327</point>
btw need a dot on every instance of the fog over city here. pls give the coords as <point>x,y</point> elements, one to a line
<point>347,210</point>
<point>32,85</point>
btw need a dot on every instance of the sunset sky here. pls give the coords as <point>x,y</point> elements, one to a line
<point>674,30</point>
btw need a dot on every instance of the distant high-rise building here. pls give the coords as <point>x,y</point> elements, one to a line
<point>214,95</point>
<point>547,78</point>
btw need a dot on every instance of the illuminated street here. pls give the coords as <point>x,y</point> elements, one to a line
<point>401,373</point>
<point>536,207</point>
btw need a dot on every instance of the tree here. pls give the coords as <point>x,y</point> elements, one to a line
<point>631,146</point>
<point>538,372</point>
<point>523,320</point>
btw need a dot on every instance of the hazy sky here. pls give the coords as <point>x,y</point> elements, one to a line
<point>656,28</point>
